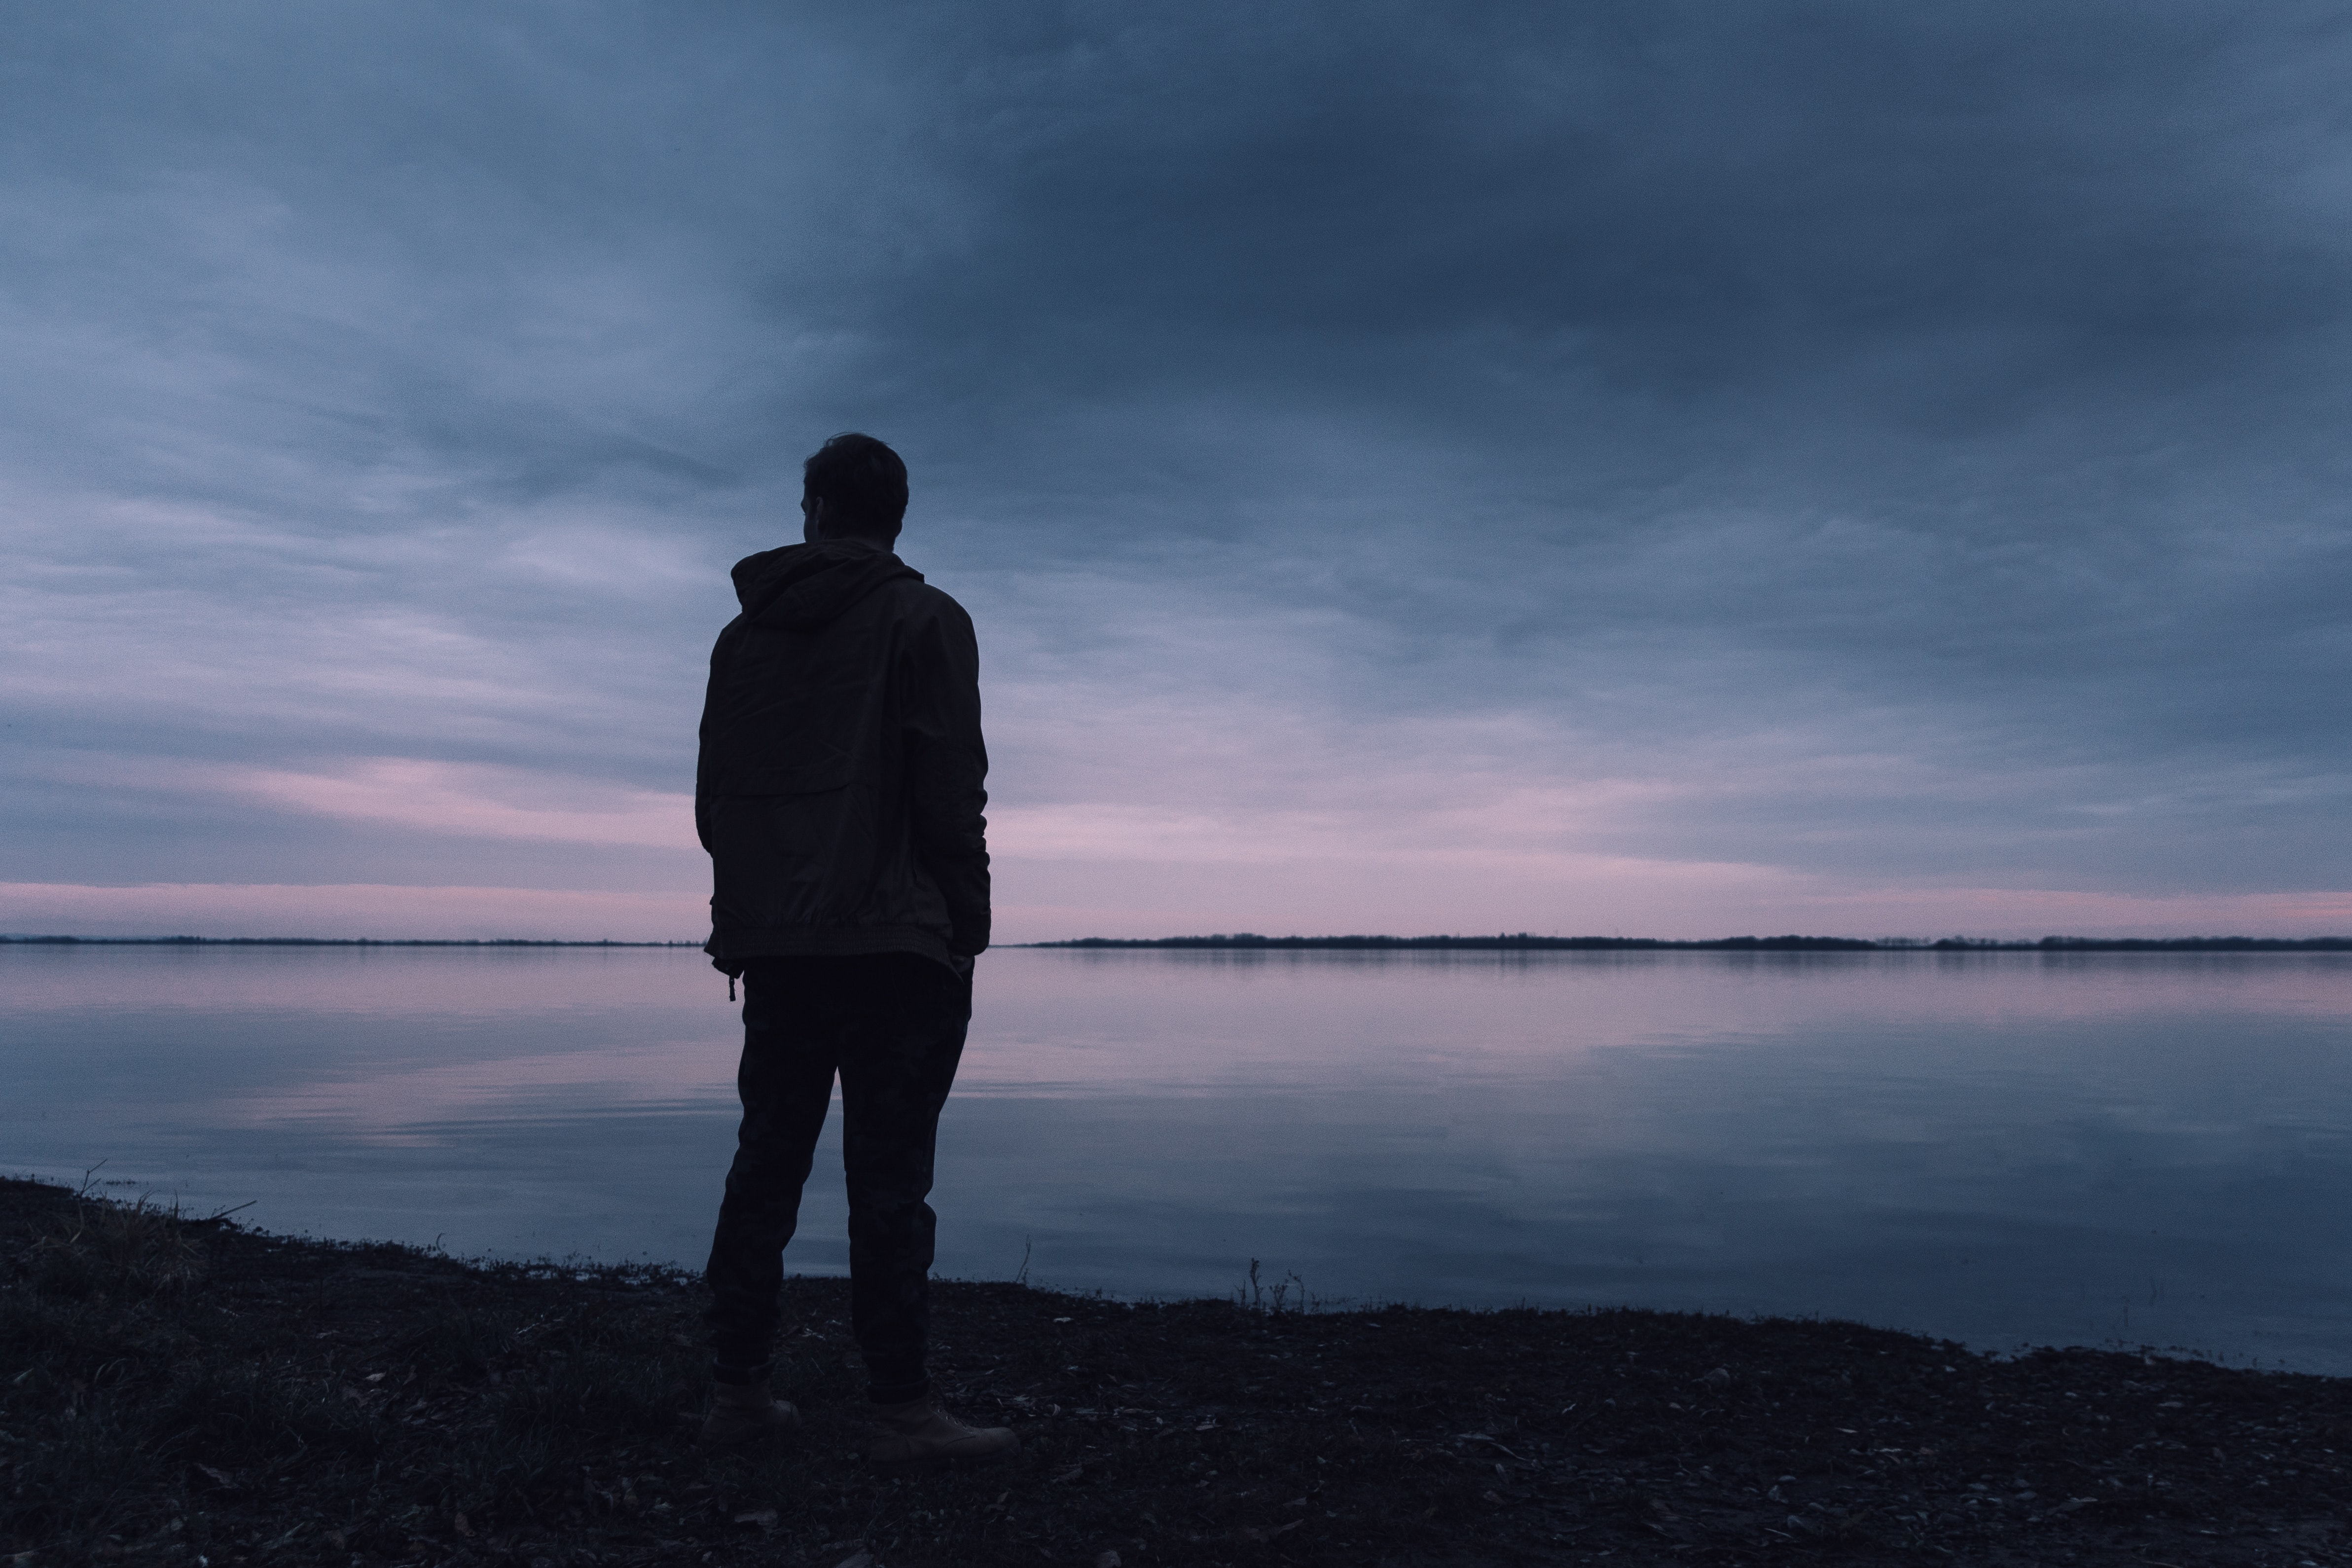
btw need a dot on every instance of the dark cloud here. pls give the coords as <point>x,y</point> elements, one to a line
<point>1894,446</point>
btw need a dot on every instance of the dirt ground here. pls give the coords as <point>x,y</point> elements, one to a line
<point>186,1393</point>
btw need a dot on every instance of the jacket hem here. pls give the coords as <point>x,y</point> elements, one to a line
<point>728,953</point>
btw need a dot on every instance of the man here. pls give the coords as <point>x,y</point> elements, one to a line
<point>839,795</point>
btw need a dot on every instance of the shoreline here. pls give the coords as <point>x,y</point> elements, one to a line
<point>1522,941</point>
<point>1248,941</point>
<point>319,942</point>
<point>194,1389</point>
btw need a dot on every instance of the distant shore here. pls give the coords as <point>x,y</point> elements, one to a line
<point>315,941</point>
<point>1509,941</point>
<point>1524,942</point>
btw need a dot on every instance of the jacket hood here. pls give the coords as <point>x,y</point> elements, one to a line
<point>803,587</point>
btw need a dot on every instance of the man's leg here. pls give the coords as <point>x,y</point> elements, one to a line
<point>792,1025</point>
<point>897,1068</point>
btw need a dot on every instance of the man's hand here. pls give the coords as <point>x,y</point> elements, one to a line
<point>962,962</point>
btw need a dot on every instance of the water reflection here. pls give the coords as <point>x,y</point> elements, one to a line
<point>2001,1148</point>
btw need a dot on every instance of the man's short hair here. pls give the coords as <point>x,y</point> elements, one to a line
<point>861,481</point>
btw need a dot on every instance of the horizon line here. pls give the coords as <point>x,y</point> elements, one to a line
<point>28,939</point>
<point>1528,941</point>
<point>1252,940</point>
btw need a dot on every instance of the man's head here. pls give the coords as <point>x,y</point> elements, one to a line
<point>852,488</point>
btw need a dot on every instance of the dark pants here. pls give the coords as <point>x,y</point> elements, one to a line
<point>892,1025</point>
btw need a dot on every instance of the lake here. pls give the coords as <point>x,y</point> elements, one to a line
<point>2006,1149</point>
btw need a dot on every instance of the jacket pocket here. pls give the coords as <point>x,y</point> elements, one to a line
<point>793,858</point>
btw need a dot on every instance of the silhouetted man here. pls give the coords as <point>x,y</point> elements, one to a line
<point>839,796</point>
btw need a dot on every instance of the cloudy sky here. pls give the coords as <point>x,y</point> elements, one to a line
<point>1676,469</point>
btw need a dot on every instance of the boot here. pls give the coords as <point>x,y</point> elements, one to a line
<point>743,1412</point>
<point>919,1432</point>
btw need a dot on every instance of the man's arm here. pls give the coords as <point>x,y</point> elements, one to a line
<point>947,765</point>
<point>705,761</point>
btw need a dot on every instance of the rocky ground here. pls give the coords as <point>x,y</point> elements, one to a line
<point>189,1393</point>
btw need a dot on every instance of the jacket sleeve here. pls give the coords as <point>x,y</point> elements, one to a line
<point>705,760</point>
<point>947,765</point>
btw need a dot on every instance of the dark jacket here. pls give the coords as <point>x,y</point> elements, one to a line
<point>839,788</point>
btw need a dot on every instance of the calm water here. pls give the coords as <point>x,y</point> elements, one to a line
<point>2009,1149</point>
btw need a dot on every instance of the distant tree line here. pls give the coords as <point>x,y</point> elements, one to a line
<point>1524,941</point>
<point>1502,942</point>
<point>315,941</point>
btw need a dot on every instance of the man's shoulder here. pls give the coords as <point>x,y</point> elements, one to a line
<point>915,598</point>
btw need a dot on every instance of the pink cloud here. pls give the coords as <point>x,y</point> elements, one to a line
<point>1413,892</point>
<point>473,799</point>
<point>351,910</point>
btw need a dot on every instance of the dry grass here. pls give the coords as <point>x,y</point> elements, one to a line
<point>99,1248</point>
